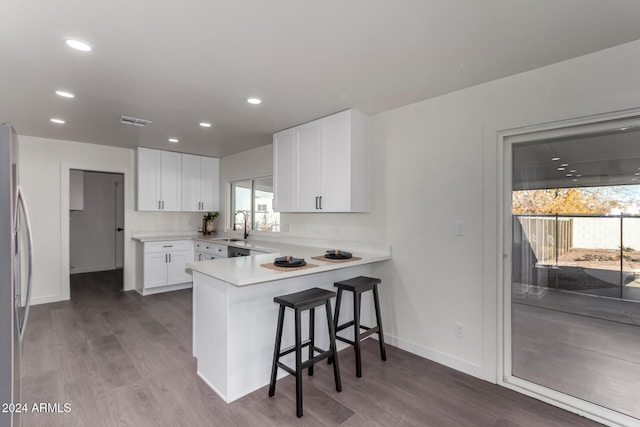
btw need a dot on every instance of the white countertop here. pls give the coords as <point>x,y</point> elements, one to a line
<point>243,271</point>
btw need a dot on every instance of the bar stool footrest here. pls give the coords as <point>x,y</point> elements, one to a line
<point>293,348</point>
<point>323,355</point>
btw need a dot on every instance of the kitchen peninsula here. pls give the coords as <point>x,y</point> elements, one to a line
<point>234,316</point>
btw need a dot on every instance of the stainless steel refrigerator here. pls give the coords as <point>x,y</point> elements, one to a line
<point>16,257</point>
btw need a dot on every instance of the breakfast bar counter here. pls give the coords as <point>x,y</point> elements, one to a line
<point>234,316</point>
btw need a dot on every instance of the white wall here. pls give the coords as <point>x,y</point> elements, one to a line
<point>44,175</point>
<point>92,235</point>
<point>436,162</point>
<point>604,233</point>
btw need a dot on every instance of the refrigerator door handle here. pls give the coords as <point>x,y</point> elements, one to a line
<point>20,203</point>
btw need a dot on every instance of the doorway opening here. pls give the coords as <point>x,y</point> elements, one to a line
<point>96,226</point>
<point>572,288</point>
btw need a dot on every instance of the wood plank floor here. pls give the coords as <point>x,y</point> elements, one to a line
<point>121,359</point>
<point>597,360</point>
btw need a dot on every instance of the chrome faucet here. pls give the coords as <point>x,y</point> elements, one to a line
<point>244,214</point>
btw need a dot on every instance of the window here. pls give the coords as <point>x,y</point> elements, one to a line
<point>252,201</point>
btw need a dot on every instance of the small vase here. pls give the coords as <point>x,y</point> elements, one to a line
<point>209,227</point>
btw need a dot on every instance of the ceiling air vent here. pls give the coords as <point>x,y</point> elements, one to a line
<point>133,121</point>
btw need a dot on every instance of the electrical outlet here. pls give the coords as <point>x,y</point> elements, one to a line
<point>459,329</point>
<point>459,228</point>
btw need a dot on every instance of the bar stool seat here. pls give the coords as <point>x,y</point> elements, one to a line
<point>358,285</point>
<point>299,302</point>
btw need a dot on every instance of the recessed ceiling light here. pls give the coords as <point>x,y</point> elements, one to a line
<point>578,176</point>
<point>564,165</point>
<point>560,169</point>
<point>575,180</point>
<point>569,174</point>
<point>573,171</point>
<point>624,128</point>
<point>637,173</point>
<point>174,140</point>
<point>254,101</point>
<point>56,121</point>
<point>555,159</point>
<point>65,94</point>
<point>79,45</point>
<point>634,179</point>
<point>205,124</point>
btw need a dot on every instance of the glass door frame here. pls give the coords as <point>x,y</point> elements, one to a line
<point>506,139</point>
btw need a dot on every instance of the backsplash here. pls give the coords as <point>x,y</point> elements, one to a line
<point>165,221</point>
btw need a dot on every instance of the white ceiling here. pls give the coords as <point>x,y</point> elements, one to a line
<point>179,63</point>
<point>607,158</point>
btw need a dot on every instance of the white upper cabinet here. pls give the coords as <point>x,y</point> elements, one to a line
<point>283,171</point>
<point>200,178</point>
<point>324,165</point>
<point>308,161</point>
<point>159,177</point>
<point>210,183</point>
<point>170,180</point>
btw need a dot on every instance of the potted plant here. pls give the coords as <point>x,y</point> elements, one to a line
<point>208,222</point>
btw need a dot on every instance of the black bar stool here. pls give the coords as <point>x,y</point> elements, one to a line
<point>358,285</point>
<point>299,302</point>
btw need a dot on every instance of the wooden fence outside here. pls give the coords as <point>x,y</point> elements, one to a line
<point>548,236</point>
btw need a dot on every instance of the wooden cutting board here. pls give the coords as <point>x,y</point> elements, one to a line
<point>275,267</point>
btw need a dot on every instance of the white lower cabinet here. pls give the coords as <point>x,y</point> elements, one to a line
<point>164,266</point>
<point>205,251</point>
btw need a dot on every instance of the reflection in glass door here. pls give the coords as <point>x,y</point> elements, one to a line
<point>575,273</point>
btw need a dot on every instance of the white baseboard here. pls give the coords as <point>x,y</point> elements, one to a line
<point>91,269</point>
<point>48,299</point>
<point>445,359</point>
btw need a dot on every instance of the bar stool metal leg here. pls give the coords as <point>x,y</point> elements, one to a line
<point>312,322</point>
<point>356,332</point>
<point>335,320</point>
<point>276,352</point>
<point>376,300</point>
<point>334,349</point>
<point>298,364</point>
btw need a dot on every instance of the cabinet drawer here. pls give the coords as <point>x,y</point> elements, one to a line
<point>167,246</point>
<point>217,250</point>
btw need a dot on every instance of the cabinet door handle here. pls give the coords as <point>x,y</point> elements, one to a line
<point>159,205</point>
<point>316,202</point>
<point>320,202</point>
<point>163,205</point>
<point>169,257</point>
<point>167,246</point>
<point>166,258</point>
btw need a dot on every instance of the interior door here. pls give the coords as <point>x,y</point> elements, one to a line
<point>119,204</point>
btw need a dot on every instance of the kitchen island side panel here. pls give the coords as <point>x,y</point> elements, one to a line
<point>211,331</point>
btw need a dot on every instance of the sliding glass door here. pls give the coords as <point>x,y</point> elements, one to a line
<point>574,292</point>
